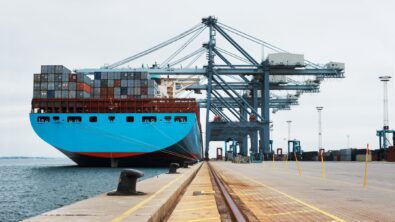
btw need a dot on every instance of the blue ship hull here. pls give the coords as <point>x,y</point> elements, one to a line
<point>127,139</point>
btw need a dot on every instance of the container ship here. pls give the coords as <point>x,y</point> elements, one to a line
<point>113,118</point>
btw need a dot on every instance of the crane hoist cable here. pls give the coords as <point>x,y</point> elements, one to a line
<point>164,63</point>
<point>261,42</point>
<point>156,47</point>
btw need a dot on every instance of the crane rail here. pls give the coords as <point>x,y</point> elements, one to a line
<point>237,214</point>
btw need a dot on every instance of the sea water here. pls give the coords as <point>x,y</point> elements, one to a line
<point>31,186</point>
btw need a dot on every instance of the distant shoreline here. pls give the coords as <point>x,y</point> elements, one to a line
<point>30,157</point>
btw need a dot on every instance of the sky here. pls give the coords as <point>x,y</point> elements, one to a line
<point>91,33</point>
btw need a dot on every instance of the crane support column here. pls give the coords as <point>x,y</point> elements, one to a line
<point>254,136</point>
<point>244,142</point>
<point>211,44</point>
<point>265,132</point>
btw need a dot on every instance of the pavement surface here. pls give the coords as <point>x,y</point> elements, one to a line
<point>198,202</point>
<point>277,192</point>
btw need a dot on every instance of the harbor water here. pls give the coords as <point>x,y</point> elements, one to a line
<point>30,186</point>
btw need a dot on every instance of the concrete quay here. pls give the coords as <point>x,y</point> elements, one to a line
<point>268,191</point>
<point>161,193</point>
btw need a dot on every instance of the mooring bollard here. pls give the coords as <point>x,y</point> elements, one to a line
<point>185,164</point>
<point>173,168</point>
<point>127,183</point>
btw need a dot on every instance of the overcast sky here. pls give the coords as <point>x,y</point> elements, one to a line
<point>91,33</point>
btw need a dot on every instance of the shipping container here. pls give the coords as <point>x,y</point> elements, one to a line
<point>124,83</point>
<point>43,95</point>
<point>362,157</point>
<point>65,77</point>
<point>104,75</point>
<point>130,91</point>
<point>80,77</point>
<point>110,83</point>
<point>144,83</point>
<point>124,75</point>
<point>144,75</point>
<point>96,83</point>
<point>73,78</point>
<point>65,86</point>
<point>130,83</point>
<point>50,94</point>
<point>44,77</point>
<point>44,86</point>
<point>72,94</point>
<point>58,85</point>
<point>335,65</point>
<point>104,83</point>
<point>58,77</point>
<point>137,83</point>
<point>58,94</point>
<point>124,91</point>
<point>36,94</point>
<point>117,91</point>
<point>72,86</point>
<point>130,76</point>
<point>51,77</point>
<point>117,83</point>
<point>97,75</point>
<point>285,59</point>
<point>110,75</point>
<point>37,77</point>
<point>65,94</point>
<point>137,75</point>
<point>117,75</point>
<point>51,85</point>
<point>36,86</point>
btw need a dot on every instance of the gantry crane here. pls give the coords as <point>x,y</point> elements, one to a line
<point>242,104</point>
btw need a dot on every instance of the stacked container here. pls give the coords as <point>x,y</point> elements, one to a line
<point>52,82</point>
<point>123,85</point>
<point>56,81</point>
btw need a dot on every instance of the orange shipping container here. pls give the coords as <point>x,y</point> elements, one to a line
<point>84,87</point>
<point>117,83</point>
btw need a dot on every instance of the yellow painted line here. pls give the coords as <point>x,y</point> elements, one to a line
<point>142,203</point>
<point>296,199</point>
<point>199,201</point>
<point>345,182</point>
<point>290,212</point>
<point>196,208</point>
<point>204,219</point>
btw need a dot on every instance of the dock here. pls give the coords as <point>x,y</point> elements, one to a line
<point>268,191</point>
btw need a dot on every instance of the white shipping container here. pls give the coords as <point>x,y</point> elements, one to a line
<point>285,59</point>
<point>362,157</point>
<point>277,79</point>
<point>336,65</point>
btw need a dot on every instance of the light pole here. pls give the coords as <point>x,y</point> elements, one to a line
<point>319,109</point>
<point>385,80</point>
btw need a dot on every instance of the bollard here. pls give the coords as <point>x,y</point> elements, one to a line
<point>127,183</point>
<point>173,168</point>
<point>185,164</point>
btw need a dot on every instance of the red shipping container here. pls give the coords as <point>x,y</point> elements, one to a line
<point>83,87</point>
<point>110,92</point>
<point>117,83</point>
<point>144,91</point>
<point>391,154</point>
<point>73,78</point>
